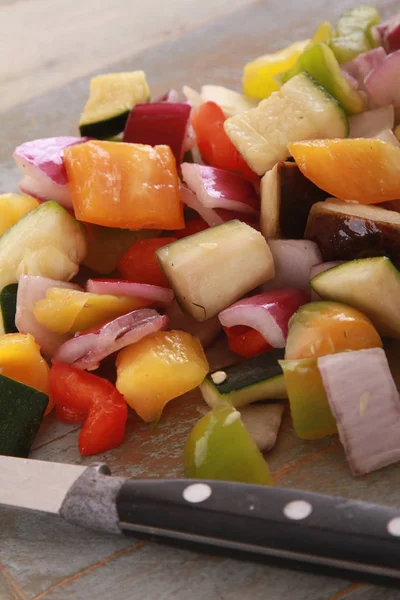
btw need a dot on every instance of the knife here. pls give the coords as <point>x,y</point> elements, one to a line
<point>347,536</point>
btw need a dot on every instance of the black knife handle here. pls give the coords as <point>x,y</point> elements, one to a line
<point>346,535</point>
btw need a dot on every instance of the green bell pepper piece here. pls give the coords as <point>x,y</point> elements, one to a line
<point>219,447</point>
<point>320,62</point>
<point>311,414</point>
<point>354,35</point>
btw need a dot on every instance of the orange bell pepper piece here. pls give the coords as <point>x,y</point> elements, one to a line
<point>131,186</point>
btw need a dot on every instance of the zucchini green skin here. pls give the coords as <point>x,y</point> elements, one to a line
<point>258,378</point>
<point>8,304</point>
<point>21,413</point>
<point>105,129</point>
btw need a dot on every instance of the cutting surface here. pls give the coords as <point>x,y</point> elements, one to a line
<point>45,558</point>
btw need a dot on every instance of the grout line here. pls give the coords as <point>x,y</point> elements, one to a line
<point>13,585</point>
<point>304,461</point>
<point>60,437</point>
<point>347,590</point>
<point>90,568</point>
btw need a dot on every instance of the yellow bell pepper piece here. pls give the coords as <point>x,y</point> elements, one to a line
<point>20,359</point>
<point>258,76</point>
<point>13,207</point>
<point>323,34</point>
<point>157,369</point>
<point>69,311</point>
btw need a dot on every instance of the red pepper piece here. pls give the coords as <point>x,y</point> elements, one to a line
<point>82,397</point>
<point>140,263</point>
<point>214,145</point>
<point>193,226</point>
<point>246,341</point>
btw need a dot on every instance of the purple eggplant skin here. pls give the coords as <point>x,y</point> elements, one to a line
<point>343,235</point>
<point>288,198</point>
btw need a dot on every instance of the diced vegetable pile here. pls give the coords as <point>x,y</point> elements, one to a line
<point>269,219</point>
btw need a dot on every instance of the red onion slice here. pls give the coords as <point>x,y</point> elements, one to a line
<point>190,199</point>
<point>31,289</point>
<point>268,313</point>
<point>370,123</point>
<point>159,123</point>
<point>365,403</point>
<point>207,331</point>
<point>293,260</point>
<point>363,64</point>
<point>217,188</point>
<point>87,350</point>
<point>41,162</point>
<point>389,32</point>
<point>170,96</point>
<point>114,287</point>
<point>383,83</point>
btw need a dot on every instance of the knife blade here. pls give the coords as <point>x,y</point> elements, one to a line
<point>347,536</point>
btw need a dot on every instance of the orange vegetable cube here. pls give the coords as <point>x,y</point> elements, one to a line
<point>157,369</point>
<point>20,359</point>
<point>366,171</point>
<point>131,186</point>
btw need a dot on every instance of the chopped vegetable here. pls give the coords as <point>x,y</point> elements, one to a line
<point>382,82</point>
<point>389,33</point>
<point>69,311</point>
<point>41,162</point>
<point>346,231</point>
<point>159,368</point>
<point>258,378</point>
<point>286,199</point>
<point>190,199</point>
<point>321,64</point>
<point>302,110</point>
<point>8,304</point>
<point>124,185</point>
<point>364,171</point>
<point>217,188</point>
<point>372,285</point>
<point>360,67</point>
<point>262,422</point>
<point>31,289</point>
<point>193,226</point>
<point>154,293</point>
<point>259,75</point>
<point>159,123</point>
<point>370,123</point>
<point>321,328</point>
<point>206,331</point>
<point>320,268</point>
<point>215,147</point>
<point>219,447</point>
<point>231,102</point>
<point>293,260</point>
<point>246,341</point>
<point>107,245</point>
<point>20,359</point>
<point>309,406</point>
<point>365,402</point>
<point>21,412</point>
<point>85,398</point>
<point>47,241</point>
<point>268,313</point>
<point>140,263</point>
<point>13,207</point>
<point>353,32</point>
<point>232,258</point>
<point>87,350</point>
<point>111,98</point>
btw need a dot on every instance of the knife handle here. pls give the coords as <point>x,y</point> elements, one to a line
<point>327,531</point>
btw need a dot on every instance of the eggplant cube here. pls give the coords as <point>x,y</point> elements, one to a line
<point>210,270</point>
